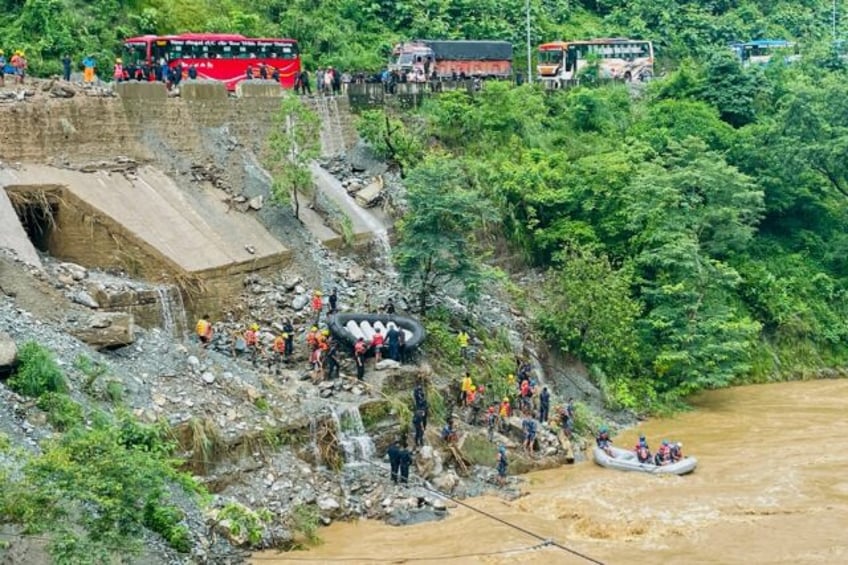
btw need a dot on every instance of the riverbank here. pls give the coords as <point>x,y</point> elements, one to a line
<point>770,488</point>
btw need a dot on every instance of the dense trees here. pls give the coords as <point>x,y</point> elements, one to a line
<point>693,236</point>
<point>355,34</point>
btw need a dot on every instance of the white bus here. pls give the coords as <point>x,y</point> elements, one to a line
<point>618,58</point>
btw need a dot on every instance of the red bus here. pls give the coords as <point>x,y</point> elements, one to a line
<point>217,56</point>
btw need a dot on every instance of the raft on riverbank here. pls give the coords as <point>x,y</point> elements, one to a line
<point>625,460</point>
<point>351,326</point>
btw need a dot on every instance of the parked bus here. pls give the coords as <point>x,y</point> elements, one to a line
<point>618,58</point>
<point>761,51</point>
<point>421,59</point>
<point>223,57</point>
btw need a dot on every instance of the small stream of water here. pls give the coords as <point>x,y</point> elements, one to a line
<point>173,314</point>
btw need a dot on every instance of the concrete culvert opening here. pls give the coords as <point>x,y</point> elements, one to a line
<point>37,211</point>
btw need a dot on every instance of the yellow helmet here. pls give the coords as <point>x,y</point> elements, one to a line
<point>254,327</point>
<point>2,52</point>
<point>325,331</point>
<point>118,60</point>
<point>317,293</point>
<point>314,329</point>
<point>506,399</point>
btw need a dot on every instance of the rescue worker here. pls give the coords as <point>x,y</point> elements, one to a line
<point>3,67</point>
<point>524,394</point>
<point>192,71</point>
<point>529,426</point>
<point>448,432</point>
<point>288,333</point>
<point>393,341</point>
<point>676,451</point>
<point>251,340</point>
<point>643,452</point>
<point>491,421</point>
<point>544,405</point>
<point>476,406</point>
<point>405,460</point>
<point>502,465</point>
<point>204,330</point>
<point>359,350</point>
<point>420,398</point>
<point>419,422</point>
<point>334,301</point>
<point>663,455</point>
<point>377,344</point>
<point>332,359</point>
<point>462,339</point>
<point>88,64</point>
<point>317,305</point>
<point>394,460</point>
<point>466,385</point>
<point>603,440</point>
<point>504,413</point>
<point>312,339</point>
<point>279,349</point>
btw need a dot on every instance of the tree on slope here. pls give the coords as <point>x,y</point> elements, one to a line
<point>436,246</point>
<point>292,146</point>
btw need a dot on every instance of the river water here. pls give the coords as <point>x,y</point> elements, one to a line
<point>771,487</point>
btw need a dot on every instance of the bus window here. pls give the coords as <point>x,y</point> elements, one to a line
<point>159,50</point>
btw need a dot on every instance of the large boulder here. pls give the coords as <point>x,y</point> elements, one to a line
<point>8,353</point>
<point>428,462</point>
<point>103,330</point>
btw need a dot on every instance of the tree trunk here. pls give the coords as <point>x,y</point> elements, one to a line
<point>295,205</point>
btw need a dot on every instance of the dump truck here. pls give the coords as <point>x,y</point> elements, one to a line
<point>426,59</point>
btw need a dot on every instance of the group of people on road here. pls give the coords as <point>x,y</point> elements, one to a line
<point>328,81</point>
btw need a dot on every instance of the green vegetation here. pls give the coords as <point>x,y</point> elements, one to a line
<point>96,485</point>
<point>692,237</point>
<point>292,146</point>
<point>62,412</point>
<point>244,523</point>
<point>306,520</point>
<point>37,372</point>
<point>95,488</point>
<point>359,35</point>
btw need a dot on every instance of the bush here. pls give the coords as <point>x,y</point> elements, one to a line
<point>62,411</point>
<point>245,521</point>
<point>165,521</point>
<point>37,372</point>
<point>304,519</point>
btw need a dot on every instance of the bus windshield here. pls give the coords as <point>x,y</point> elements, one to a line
<point>550,57</point>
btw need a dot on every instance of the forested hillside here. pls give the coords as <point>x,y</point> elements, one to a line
<point>694,235</point>
<point>694,232</point>
<point>358,34</point>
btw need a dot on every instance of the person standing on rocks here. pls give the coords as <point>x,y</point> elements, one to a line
<point>288,334</point>
<point>405,460</point>
<point>404,357</point>
<point>88,65</point>
<point>420,398</point>
<point>334,301</point>
<point>66,67</point>
<point>502,464</point>
<point>394,460</point>
<point>491,421</point>
<point>544,405</point>
<point>377,344</point>
<point>418,422</point>
<point>332,359</point>
<point>279,350</point>
<point>529,425</point>
<point>359,358</point>
<point>204,331</point>
<point>393,341</point>
<point>462,339</point>
<point>317,305</point>
<point>251,342</point>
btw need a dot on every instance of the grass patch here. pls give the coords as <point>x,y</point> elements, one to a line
<point>62,411</point>
<point>374,412</point>
<point>304,519</point>
<point>92,370</point>
<point>261,404</point>
<point>244,523</point>
<point>114,391</point>
<point>37,372</point>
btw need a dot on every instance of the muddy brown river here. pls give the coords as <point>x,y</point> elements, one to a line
<point>771,487</point>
